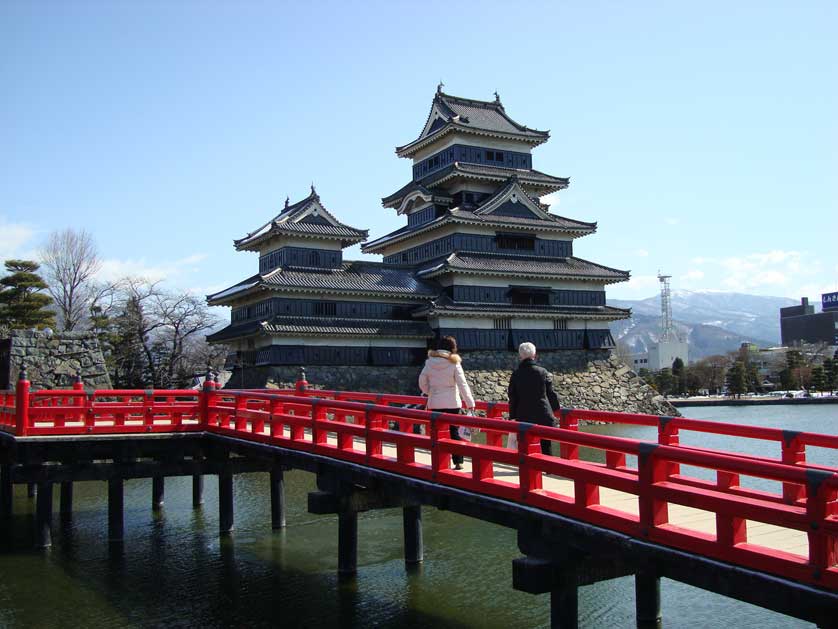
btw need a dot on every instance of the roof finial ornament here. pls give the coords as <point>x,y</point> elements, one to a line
<point>497,97</point>
<point>287,201</point>
<point>313,191</point>
<point>439,87</point>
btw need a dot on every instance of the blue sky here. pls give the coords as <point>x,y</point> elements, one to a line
<point>702,137</point>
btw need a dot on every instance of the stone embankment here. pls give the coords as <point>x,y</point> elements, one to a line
<point>583,379</point>
<point>53,360</point>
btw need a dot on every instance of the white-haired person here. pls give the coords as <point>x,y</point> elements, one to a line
<point>444,382</point>
<point>531,395</point>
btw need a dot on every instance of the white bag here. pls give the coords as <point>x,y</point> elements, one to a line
<point>464,432</point>
<point>512,441</point>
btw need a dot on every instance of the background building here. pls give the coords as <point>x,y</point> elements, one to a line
<point>801,324</point>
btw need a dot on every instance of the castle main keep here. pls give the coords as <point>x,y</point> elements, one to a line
<point>480,257</point>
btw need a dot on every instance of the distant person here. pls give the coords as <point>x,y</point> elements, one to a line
<point>531,395</point>
<point>444,382</point>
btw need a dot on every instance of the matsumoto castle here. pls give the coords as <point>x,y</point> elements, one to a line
<point>480,257</point>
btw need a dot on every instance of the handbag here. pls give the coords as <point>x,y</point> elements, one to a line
<point>512,441</point>
<point>464,432</point>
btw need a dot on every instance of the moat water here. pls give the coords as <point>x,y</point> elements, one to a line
<point>173,570</point>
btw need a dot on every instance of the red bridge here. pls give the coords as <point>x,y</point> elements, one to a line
<point>579,521</point>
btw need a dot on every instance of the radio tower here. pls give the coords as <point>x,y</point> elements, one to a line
<point>667,332</point>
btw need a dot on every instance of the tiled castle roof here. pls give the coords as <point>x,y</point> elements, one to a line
<point>306,218</point>
<point>353,277</point>
<point>325,326</point>
<point>543,181</point>
<point>469,115</point>
<point>505,264</point>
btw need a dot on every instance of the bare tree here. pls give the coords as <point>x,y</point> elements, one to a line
<point>182,317</point>
<point>70,261</point>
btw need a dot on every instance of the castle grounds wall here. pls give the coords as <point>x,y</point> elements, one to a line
<point>591,379</point>
<point>53,360</point>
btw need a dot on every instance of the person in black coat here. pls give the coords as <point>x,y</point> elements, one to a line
<point>531,395</point>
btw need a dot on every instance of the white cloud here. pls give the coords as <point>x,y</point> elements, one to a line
<point>671,220</point>
<point>114,269</point>
<point>777,271</point>
<point>694,274</point>
<point>641,253</point>
<point>13,238</point>
<point>550,199</point>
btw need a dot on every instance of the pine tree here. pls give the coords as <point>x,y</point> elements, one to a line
<point>736,379</point>
<point>679,385</point>
<point>830,372</point>
<point>22,304</point>
<point>818,378</point>
<point>665,381</point>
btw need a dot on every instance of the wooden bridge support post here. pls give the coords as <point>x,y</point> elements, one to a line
<point>197,490</point>
<point>116,519</point>
<point>6,491</point>
<point>43,516</point>
<point>347,543</point>
<point>66,499</point>
<point>413,547</point>
<point>225,502</point>
<point>647,586</point>
<point>277,498</point>
<point>564,606</point>
<point>157,492</point>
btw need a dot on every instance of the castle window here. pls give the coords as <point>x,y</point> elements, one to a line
<point>502,324</point>
<point>560,324</point>
<point>325,309</point>
<point>514,242</point>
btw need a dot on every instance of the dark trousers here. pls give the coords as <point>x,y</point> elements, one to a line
<point>455,458</point>
<point>545,447</point>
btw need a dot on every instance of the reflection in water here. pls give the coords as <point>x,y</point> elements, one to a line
<point>173,569</point>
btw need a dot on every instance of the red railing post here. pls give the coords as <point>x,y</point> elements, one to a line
<point>22,403</point>
<point>794,453</point>
<point>823,547</point>
<point>568,421</point>
<point>730,530</point>
<point>650,470</point>
<point>204,400</point>
<point>528,478</point>
<point>302,385</point>
<point>668,436</point>
<point>240,421</point>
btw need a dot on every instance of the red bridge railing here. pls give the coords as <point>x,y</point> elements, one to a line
<point>380,431</point>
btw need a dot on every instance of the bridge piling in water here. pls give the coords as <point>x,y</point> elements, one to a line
<point>116,516</point>
<point>66,499</point>
<point>225,501</point>
<point>6,492</point>
<point>647,599</point>
<point>277,480</point>
<point>158,488</point>
<point>347,543</point>
<point>413,545</point>
<point>197,490</point>
<point>43,515</point>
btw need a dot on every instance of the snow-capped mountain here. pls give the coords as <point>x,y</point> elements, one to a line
<point>712,322</point>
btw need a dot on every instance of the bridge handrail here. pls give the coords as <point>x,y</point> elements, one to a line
<point>358,427</point>
<point>655,481</point>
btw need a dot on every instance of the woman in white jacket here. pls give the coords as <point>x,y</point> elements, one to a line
<point>444,382</point>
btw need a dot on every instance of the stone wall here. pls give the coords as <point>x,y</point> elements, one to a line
<point>53,360</point>
<point>583,379</point>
